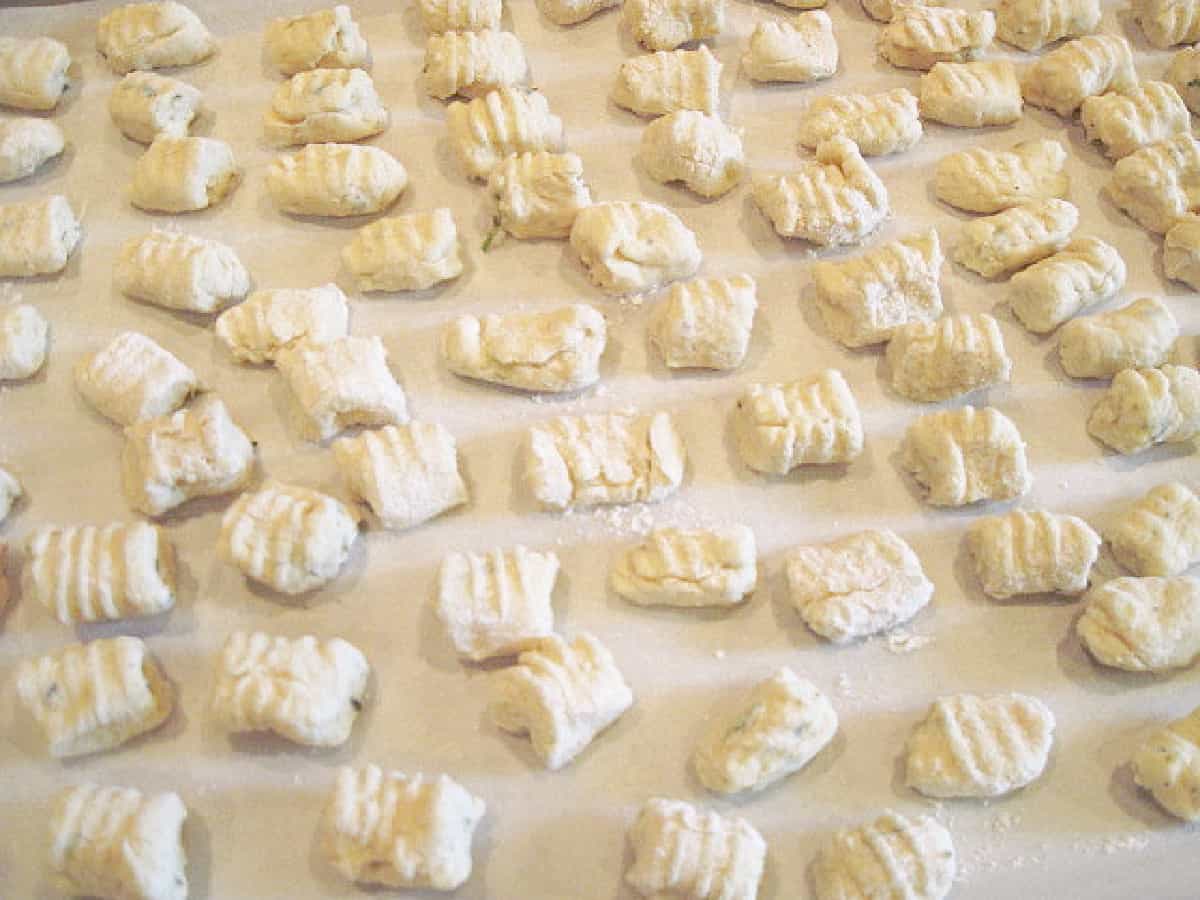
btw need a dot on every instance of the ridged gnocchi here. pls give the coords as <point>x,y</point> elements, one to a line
<point>1032,552</point>
<point>1139,335</point>
<point>963,456</point>
<point>180,271</point>
<point>1145,407</point>
<point>1083,274</point>
<point>948,357</point>
<point>336,180</point>
<point>412,252</point>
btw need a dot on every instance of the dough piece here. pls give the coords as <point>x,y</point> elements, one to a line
<point>656,84</point>
<point>1143,624</point>
<point>571,12</point>
<point>864,299</point>
<point>665,24</point>
<point>27,144</point>
<point>1138,335</point>
<point>688,568</point>
<point>412,252</point>
<point>552,351</point>
<point>971,94</point>
<point>878,123</point>
<point>24,340</point>
<point>1125,121</point>
<point>885,10</point>
<point>439,16</point>
<point>784,722</point>
<point>33,72</point>
<point>496,604</point>
<point>132,379</point>
<point>406,475</point>
<point>1088,67</point>
<point>336,180</point>
<point>1168,766</point>
<point>153,36</point>
<point>183,174</point>
<point>144,105</point>
<point>705,323</point>
<point>948,357</point>
<point>562,694</point>
<point>698,149</point>
<point>856,586</point>
<point>919,36</point>
<point>1035,552</point>
<point>988,181</point>
<point>326,39</point>
<point>325,106</point>
<point>813,421</point>
<point>538,195</point>
<point>683,851</point>
<point>119,843</point>
<point>1168,22</point>
<point>486,130</point>
<point>1013,239</point>
<point>93,697</point>
<point>275,320</point>
<point>471,63</point>
<point>179,271</point>
<point>1158,185</point>
<point>289,538</point>
<point>629,247</point>
<point>1146,407</point>
<point>1160,533</point>
<point>963,456</point>
<point>306,690</point>
<point>1183,74</point>
<point>90,573</point>
<point>1084,273</point>
<point>37,237</point>
<point>385,827</point>
<point>1032,24</point>
<point>891,857</point>
<point>802,50</point>
<point>10,492</point>
<point>197,452</point>
<point>1181,253</point>
<point>833,200</point>
<point>598,460</point>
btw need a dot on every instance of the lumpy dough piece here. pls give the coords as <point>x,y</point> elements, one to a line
<point>488,129</point>
<point>144,105</point>
<point>10,492</point>
<point>24,340</point>
<point>27,144</point>
<point>341,383</point>
<point>183,174</point>
<point>813,421</point>
<point>1143,624</point>
<point>289,538</point>
<point>972,746</point>
<point>471,63</point>
<point>326,39</point>
<point>988,181</point>
<point>405,831</point>
<point>1168,22</point>
<point>856,586</point>
<point>705,323</point>
<point>1181,253</point>
<point>33,72</point>
<point>665,24</point>
<point>93,697</point>
<point>37,237</point>
<point>197,452</point>
<point>919,36</point>
<point>971,94</point>
<point>1032,553</point>
<point>688,567</point>
<point>683,851</point>
<point>1082,274</point>
<point>655,84</point>
<point>1146,407</point>
<point>179,271</point>
<point>1124,121</point>
<point>1184,75</point>
<point>1138,335</point>
<point>325,106</point>
<point>562,694</point>
<point>91,573</point>
<point>439,16</point>
<point>891,857</point>
<point>783,723</point>
<point>538,195</point>
<point>948,357</point>
<point>1013,239</point>
<point>1160,533</point>
<point>878,123</point>
<point>1063,78</point>
<point>271,321</point>
<point>570,12</point>
<point>119,844</point>
<point>153,36</point>
<point>963,456</point>
<point>132,379</point>
<point>306,690</point>
<point>599,460</point>
<point>800,51</point>
<point>1032,24</point>
<point>405,253</point>
<point>864,299</point>
<point>551,351</point>
<point>833,200</point>
<point>496,604</point>
<point>1158,185</point>
<point>336,180</point>
<point>628,247</point>
<point>698,149</point>
<point>1168,766</point>
<point>884,10</point>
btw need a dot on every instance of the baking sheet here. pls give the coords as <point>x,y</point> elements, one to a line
<point>254,803</point>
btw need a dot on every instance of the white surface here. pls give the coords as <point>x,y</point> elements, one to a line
<point>1082,830</point>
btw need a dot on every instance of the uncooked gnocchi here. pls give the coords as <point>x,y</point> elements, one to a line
<point>628,247</point>
<point>180,271</point>
<point>1032,24</point>
<point>37,237</point>
<point>27,144</point>
<point>695,148</point>
<point>919,36</point>
<point>33,72</point>
<point>144,105</point>
<point>688,568</point>
<point>948,357</point>
<point>571,12</point>
<point>665,24</point>
<point>153,36</point>
<point>1160,533</point>
<point>1158,186</point>
<point>24,341</point>
<point>988,181</point>
<point>1168,766</point>
<point>471,63</point>
<point>1146,407</point>
<point>1168,22</point>
<point>802,50</point>
<point>971,94</point>
<point>1013,239</point>
<point>1181,253</point>
<point>132,378</point>
<point>878,124</point>
<point>538,195</point>
<point>1138,335</point>
<point>655,84</point>
<point>892,856</point>
<point>1183,74</point>
<point>10,492</point>
<point>1088,67</point>
<point>326,39</point>
<point>272,321</point>
<point>183,174</point>
<point>488,129</point>
<point>336,180</point>
<point>1084,273</point>
<point>1143,624</point>
<point>325,106</point>
<point>459,15</point>
<point>412,252</point>
<point>705,323</point>
<point>963,456</point>
<point>1124,121</point>
<point>1032,553</point>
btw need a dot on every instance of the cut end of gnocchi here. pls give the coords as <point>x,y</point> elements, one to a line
<point>24,343</point>
<point>27,144</point>
<point>39,237</point>
<point>33,72</point>
<point>145,105</point>
<point>326,39</point>
<point>132,379</point>
<point>183,174</point>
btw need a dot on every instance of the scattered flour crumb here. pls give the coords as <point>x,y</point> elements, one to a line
<point>903,641</point>
<point>844,687</point>
<point>719,654</point>
<point>1005,821</point>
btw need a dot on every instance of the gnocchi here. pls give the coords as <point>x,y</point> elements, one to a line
<point>153,36</point>
<point>688,568</point>
<point>802,50</point>
<point>1181,253</point>
<point>948,357</point>
<point>1124,121</point>
<point>878,124</point>
<point>571,12</point>
<point>1168,766</point>
<point>1084,273</point>
<point>183,174</point>
<point>33,72</point>
<point>665,24</point>
<point>326,39</point>
<point>919,36</point>
<point>272,321</point>
<point>1146,407</point>
<point>336,180</point>
<point>472,63</point>
<point>971,94</point>
<point>325,106</point>
<point>963,456</point>
<point>1032,24</point>
<point>656,84</point>
<point>144,105</point>
<point>180,271</point>
<point>439,16</point>
<point>1088,67</point>
<point>1159,534</point>
<point>705,323</point>
<point>1034,552</point>
<point>24,341</point>
<point>412,252</point>
<point>892,856</point>
<point>538,195</point>
<point>10,492</point>
<point>1021,235</point>
<point>132,379</point>
<point>1183,74</point>
<point>488,129</point>
<point>27,144</point>
<point>629,247</point>
<point>695,148</point>
<point>1138,335</point>
<point>884,10</point>
<point>988,181</point>
<point>1142,624</point>
<point>1168,22</point>
<point>37,237</point>
<point>1158,185</point>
